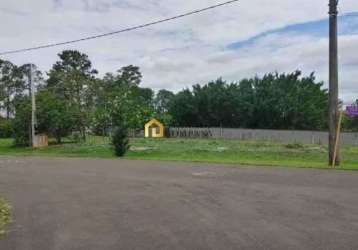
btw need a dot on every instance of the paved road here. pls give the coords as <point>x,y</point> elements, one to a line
<point>73,204</point>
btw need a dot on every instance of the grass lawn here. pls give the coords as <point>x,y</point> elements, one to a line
<point>4,215</point>
<point>199,150</point>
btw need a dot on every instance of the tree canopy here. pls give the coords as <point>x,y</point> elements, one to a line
<point>275,101</point>
<point>74,98</point>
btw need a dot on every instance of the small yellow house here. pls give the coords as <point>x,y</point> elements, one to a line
<point>154,129</point>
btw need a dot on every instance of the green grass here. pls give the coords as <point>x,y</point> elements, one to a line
<point>4,215</point>
<point>199,150</point>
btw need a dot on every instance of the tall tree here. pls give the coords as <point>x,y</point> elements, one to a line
<point>131,75</point>
<point>162,101</point>
<point>161,104</point>
<point>23,73</point>
<point>9,86</point>
<point>54,117</point>
<point>14,83</point>
<point>120,99</point>
<point>184,109</point>
<point>72,78</point>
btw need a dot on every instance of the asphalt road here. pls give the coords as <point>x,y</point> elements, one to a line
<point>73,204</point>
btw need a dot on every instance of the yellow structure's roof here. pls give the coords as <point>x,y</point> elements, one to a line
<point>154,121</point>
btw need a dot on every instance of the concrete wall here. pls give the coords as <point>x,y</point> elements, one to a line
<point>285,136</point>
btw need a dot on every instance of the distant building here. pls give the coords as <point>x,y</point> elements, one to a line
<point>154,129</point>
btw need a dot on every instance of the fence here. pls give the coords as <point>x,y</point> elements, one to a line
<point>284,136</point>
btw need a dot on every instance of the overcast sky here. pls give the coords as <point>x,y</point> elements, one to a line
<point>247,38</point>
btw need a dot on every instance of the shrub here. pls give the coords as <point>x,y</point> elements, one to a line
<point>120,140</point>
<point>5,128</point>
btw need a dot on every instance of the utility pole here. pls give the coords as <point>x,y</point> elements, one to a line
<point>33,107</point>
<point>333,84</point>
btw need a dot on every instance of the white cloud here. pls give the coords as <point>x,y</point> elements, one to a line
<point>183,52</point>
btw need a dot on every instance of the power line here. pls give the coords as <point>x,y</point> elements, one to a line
<point>119,31</point>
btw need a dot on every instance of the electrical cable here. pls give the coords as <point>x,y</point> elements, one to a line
<point>118,31</point>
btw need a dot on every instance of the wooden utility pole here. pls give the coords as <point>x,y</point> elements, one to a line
<point>333,84</point>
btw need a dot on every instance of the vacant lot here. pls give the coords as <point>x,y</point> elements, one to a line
<point>198,150</point>
<point>120,204</point>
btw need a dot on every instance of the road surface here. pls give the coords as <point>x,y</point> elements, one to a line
<point>73,204</point>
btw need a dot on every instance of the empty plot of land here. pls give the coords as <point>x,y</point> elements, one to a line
<point>120,204</point>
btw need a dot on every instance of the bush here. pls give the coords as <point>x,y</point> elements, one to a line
<point>120,140</point>
<point>5,128</point>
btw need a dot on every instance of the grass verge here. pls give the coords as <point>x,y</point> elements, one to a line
<point>5,216</point>
<point>198,150</point>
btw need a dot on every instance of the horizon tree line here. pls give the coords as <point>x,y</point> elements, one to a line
<point>73,100</point>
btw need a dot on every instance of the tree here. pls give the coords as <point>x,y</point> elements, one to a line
<point>215,103</point>
<point>289,101</point>
<point>54,116</point>
<point>24,72</point>
<point>119,98</point>
<point>183,109</point>
<point>14,83</point>
<point>72,78</point>
<point>10,86</point>
<point>130,75</point>
<point>162,101</point>
<point>145,94</point>
<point>244,99</point>
<point>275,101</point>
<point>137,106</point>
<point>6,130</point>
<point>22,121</point>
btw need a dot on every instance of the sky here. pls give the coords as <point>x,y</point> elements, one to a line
<point>244,39</point>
